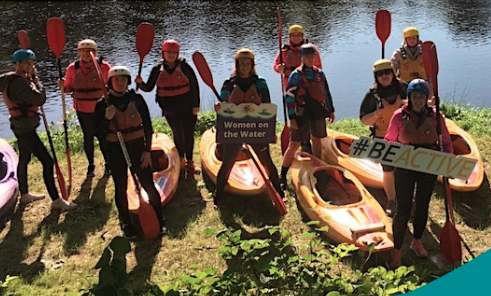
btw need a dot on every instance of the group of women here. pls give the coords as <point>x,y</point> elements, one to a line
<point>395,111</point>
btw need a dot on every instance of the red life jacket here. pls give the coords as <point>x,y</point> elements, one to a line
<point>291,58</point>
<point>86,89</point>
<point>18,110</point>
<point>237,96</point>
<point>169,85</point>
<point>315,89</point>
<point>128,122</point>
<point>420,132</point>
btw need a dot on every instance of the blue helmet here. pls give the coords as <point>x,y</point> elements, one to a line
<point>23,55</point>
<point>418,85</point>
<point>307,49</point>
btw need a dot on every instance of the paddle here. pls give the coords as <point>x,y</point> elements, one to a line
<point>25,43</point>
<point>146,214</point>
<point>205,73</point>
<point>55,32</point>
<point>450,239</point>
<point>382,27</point>
<point>144,42</point>
<point>285,133</point>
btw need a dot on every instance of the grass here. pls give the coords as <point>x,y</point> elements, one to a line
<point>54,253</point>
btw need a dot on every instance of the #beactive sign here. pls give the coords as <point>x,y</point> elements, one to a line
<point>409,157</point>
<point>246,123</point>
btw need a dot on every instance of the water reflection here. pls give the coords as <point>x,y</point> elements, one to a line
<point>343,30</point>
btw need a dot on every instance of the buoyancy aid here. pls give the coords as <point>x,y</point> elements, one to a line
<point>172,84</point>
<point>314,89</point>
<point>291,58</point>
<point>86,89</point>
<point>128,122</point>
<point>411,67</point>
<point>382,123</point>
<point>419,131</point>
<point>18,110</point>
<point>238,96</point>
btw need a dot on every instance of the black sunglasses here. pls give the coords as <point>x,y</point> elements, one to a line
<point>383,72</point>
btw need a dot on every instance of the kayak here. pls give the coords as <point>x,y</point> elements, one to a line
<point>464,145</point>
<point>335,151</point>
<point>9,187</point>
<point>337,199</point>
<point>244,179</point>
<point>166,167</point>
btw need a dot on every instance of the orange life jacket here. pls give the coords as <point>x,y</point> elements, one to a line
<point>18,110</point>
<point>411,67</point>
<point>86,89</point>
<point>169,85</point>
<point>237,96</point>
<point>128,122</point>
<point>382,123</point>
<point>314,89</point>
<point>420,134</point>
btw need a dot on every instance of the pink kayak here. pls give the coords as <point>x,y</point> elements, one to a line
<point>8,182</point>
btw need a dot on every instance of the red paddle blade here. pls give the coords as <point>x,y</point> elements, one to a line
<point>430,63</point>
<point>204,71</point>
<point>99,74</point>
<point>61,181</point>
<point>450,246</point>
<point>383,25</point>
<point>146,214</point>
<point>144,39</point>
<point>24,41</point>
<point>285,138</point>
<point>279,27</point>
<point>55,31</point>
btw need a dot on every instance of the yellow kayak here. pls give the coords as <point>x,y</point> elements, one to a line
<point>464,145</point>
<point>335,151</point>
<point>337,199</point>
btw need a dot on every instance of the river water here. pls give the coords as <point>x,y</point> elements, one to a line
<point>344,31</point>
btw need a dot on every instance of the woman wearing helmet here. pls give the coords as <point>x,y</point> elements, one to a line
<point>244,86</point>
<point>309,103</point>
<point>386,95</point>
<point>414,124</point>
<point>127,112</point>
<point>82,81</point>
<point>23,93</point>
<point>178,97</point>
<point>407,60</point>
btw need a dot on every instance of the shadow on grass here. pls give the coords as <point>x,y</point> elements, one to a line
<point>145,254</point>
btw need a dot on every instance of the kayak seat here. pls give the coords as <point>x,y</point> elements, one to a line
<point>160,161</point>
<point>343,145</point>
<point>335,189</point>
<point>460,146</point>
<point>242,155</point>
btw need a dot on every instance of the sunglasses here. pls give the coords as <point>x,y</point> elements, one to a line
<point>383,72</point>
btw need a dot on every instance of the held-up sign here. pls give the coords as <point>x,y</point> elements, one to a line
<point>417,159</point>
<point>246,123</point>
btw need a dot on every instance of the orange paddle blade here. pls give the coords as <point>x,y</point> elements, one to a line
<point>146,214</point>
<point>450,246</point>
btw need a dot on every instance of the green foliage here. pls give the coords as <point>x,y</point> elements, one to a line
<point>113,278</point>
<point>4,285</point>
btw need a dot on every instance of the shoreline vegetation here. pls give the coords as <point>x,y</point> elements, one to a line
<point>243,249</point>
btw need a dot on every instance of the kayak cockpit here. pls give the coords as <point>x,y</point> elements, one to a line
<point>334,188</point>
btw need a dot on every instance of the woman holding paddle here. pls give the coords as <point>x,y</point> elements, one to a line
<point>82,82</point>
<point>415,124</point>
<point>244,86</point>
<point>178,97</point>
<point>386,95</point>
<point>23,94</point>
<point>126,112</point>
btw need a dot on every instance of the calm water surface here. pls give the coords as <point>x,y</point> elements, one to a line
<point>344,31</point>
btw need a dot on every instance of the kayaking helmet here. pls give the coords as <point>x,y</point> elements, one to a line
<point>244,53</point>
<point>295,29</point>
<point>381,65</point>
<point>118,71</point>
<point>410,32</point>
<point>87,43</point>
<point>23,55</point>
<point>307,49</point>
<point>418,85</point>
<point>170,46</point>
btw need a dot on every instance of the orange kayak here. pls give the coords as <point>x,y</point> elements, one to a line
<point>244,179</point>
<point>166,165</point>
<point>337,199</point>
<point>335,151</point>
<point>464,145</point>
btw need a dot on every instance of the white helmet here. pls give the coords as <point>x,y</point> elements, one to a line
<point>87,43</point>
<point>118,71</point>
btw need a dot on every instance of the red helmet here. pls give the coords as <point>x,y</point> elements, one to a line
<point>170,45</point>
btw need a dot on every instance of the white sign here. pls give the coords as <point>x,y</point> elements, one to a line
<point>417,159</point>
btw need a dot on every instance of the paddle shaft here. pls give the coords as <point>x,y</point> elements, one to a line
<point>280,29</point>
